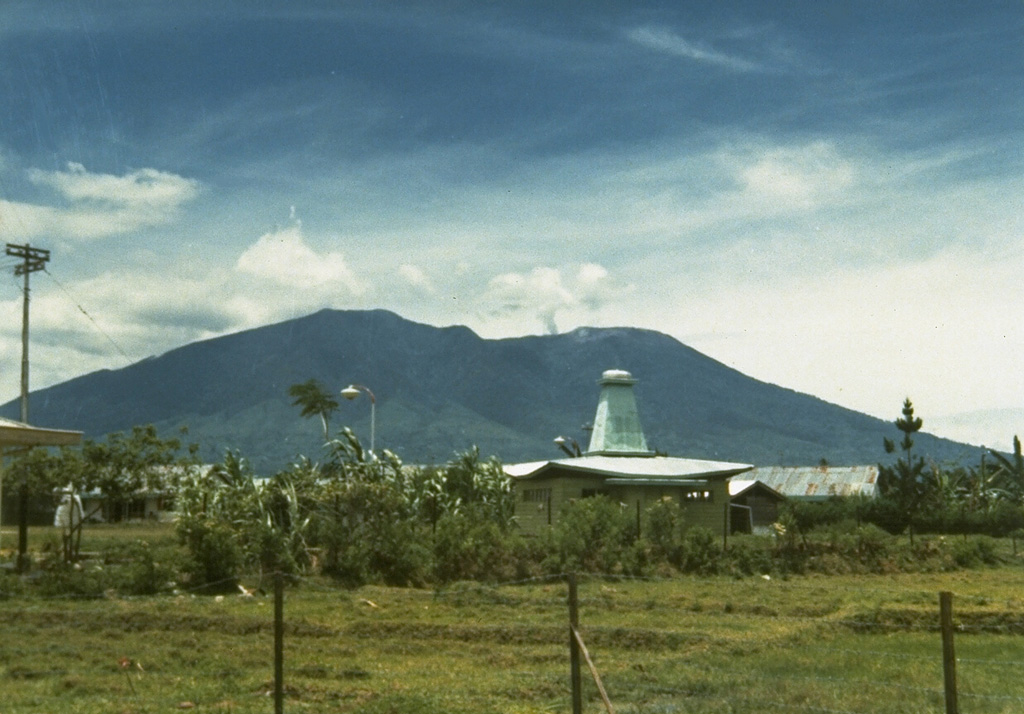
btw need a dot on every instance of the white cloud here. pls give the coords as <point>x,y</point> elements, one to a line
<point>24,221</point>
<point>992,428</point>
<point>801,176</point>
<point>668,42</point>
<point>96,205</point>
<point>543,294</point>
<point>936,330</point>
<point>113,318</point>
<point>415,277</point>
<point>285,258</point>
<point>145,187</point>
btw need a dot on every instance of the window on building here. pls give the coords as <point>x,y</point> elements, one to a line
<point>536,495</point>
<point>591,492</point>
<point>698,496</point>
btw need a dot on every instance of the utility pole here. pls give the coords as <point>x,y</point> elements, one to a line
<point>33,259</point>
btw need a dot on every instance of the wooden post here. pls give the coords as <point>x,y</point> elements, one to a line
<point>594,673</point>
<point>278,643</point>
<point>22,562</point>
<point>574,648</point>
<point>725,523</point>
<point>948,653</point>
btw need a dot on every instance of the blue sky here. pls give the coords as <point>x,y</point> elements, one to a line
<point>827,196</point>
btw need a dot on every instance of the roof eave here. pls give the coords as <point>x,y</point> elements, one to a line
<point>16,434</point>
<point>574,465</point>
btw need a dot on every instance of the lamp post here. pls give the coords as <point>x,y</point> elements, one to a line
<point>351,392</point>
<point>562,443</point>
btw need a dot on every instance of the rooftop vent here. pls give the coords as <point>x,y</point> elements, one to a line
<point>617,430</point>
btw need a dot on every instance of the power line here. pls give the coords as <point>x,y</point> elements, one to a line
<point>71,297</point>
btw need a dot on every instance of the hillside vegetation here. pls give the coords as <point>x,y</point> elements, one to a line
<point>444,390</point>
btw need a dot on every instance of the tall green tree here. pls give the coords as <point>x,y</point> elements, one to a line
<point>905,482</point>
<point>314,400</point>
<point>126,464</point>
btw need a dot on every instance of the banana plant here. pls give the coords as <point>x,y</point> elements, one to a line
<point>1011,471</point>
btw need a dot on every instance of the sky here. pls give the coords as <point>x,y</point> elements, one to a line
<point>824,196</point>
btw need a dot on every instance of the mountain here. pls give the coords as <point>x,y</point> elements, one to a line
<point>442,390</point>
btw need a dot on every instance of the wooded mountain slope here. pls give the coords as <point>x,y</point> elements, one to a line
<point>441,390</point>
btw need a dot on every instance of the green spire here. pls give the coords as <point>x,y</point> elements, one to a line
<point>617,429</point>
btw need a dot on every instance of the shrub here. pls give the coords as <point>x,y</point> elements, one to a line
<point>594,535</point>
<point>884,513</point>
<point>470,548</point>
<point>144,570</point>
<point>971,553</point>
<point>806,516</point>
<point>872,546</point>
<point>749,555</point>
<point>60,579</point>
<point>11,585</point>
<point>400,556</point>
<point>215,555</point>
<point>701,552</point>
<point>1006,518</point>
<point>664,531</point>
<point>368,534</point>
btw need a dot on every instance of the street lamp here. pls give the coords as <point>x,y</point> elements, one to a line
<point>562,443</point>
<point>351,392</point>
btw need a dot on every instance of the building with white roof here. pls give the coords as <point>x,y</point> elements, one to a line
<point>619,464</point>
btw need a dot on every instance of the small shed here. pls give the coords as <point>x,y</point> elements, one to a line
<point>16,435</point>
<point>755,505</point>
<point>819,483</point>
<point>618,464</point>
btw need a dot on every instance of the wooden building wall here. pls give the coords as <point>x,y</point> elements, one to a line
<point>539,501</point>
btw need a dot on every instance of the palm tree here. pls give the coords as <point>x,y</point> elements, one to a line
<point>314,399</point>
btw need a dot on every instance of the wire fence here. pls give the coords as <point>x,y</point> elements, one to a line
<point>652,645</point>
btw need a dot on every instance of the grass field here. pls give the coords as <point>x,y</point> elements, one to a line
<point>95,536</point>
<point>816,644</point>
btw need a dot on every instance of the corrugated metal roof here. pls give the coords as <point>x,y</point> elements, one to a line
<point>818,482</point>
<point>632,466</point>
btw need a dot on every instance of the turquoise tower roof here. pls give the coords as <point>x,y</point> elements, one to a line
<point>617,430</point>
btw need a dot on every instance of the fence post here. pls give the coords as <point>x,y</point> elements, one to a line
<point>278,643</point>
<point>725,522</point>
<point>948,653</point>
<point>594,673</point>
<point>574,648</point>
